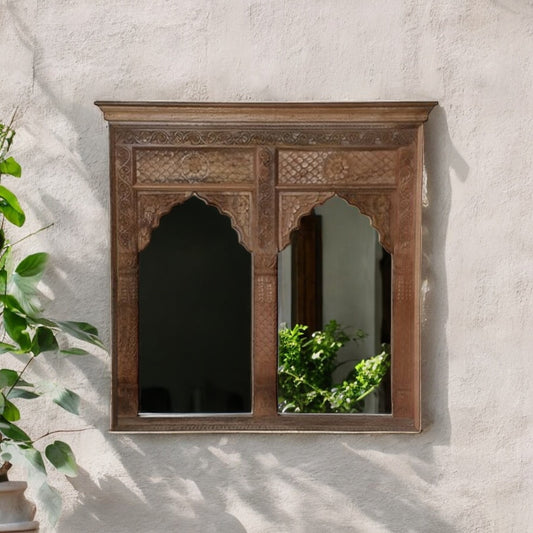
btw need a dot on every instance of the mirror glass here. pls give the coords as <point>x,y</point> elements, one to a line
<point>334,294</point>
<point>194,315</point>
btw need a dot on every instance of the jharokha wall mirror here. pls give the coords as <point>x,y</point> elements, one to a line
<point>266,266</point>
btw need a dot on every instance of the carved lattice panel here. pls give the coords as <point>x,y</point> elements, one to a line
<point>337,167</point>
<point>194,166</point>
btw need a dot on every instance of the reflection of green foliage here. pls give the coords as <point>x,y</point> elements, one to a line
<point>305,371</point>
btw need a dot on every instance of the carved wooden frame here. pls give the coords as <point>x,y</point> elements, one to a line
<point>267,165</point>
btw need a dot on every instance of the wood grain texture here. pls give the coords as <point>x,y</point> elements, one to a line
<point>266,166</point>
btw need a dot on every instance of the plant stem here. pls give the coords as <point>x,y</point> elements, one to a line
<point>366,393</point>
<point>20,375</point>
<point>32,234</point>
<point>62,431</point>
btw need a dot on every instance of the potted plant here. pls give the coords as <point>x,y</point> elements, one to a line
<point>25,335</point>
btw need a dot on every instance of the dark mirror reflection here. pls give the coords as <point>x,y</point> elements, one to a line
<point>194,315</point>
<point>334,315</point>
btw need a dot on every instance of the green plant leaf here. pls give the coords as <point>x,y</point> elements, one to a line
<point>81,330</point>
<point>74,351</point>
<point>11,303</point>
<point>4,347</point>
<point>60,455</point>
<point>11,167</point>
<point>34,458</point>
<point>23,394</point>
<point>11,431</point>
<point>16,328</point>
<point>2,402</point>
<point>44,322</point>
<point>66,399</point>
<point>50,501</point>
<point>10,207</point>
<point>44,340</point>
<point>5,258</point>
<point>25,280</point>
<point>8,377</point>
<point>33,265</point>
<point>11,412</point>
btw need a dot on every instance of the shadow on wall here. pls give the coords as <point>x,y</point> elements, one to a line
<point>262,484</point>
<point>440,158</point>
<point>82,154</point>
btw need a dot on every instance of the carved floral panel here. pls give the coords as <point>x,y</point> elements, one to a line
<point>194,166</point>
<point>337,167</point>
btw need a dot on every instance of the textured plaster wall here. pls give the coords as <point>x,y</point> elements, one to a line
<point>470,469</point>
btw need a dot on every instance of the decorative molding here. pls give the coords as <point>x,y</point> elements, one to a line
<point>176,136</point>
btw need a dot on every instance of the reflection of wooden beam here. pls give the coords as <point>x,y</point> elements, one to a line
<point>385,270</point>
<point>306,244</point>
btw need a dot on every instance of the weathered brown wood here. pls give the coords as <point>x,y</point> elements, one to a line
<point>266,166</point>
<point>308,423</point>
<point>261,113</point>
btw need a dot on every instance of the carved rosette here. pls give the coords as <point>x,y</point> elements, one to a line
<point>292,207</point>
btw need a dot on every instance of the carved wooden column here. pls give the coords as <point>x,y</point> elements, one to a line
<point>265,289</point>
<point>125,270</point>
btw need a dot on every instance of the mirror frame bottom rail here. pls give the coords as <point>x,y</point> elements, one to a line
<point>287,423</point>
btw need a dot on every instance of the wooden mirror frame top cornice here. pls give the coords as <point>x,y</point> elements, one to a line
<point>266,166</point>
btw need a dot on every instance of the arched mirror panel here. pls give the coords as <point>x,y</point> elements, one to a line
<point>194,315</point>
<point>334,311</point>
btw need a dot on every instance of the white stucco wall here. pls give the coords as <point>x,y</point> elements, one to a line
<point>470,469</point>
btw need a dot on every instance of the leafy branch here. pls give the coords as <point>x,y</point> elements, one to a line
<point>27,334</point>
<point>305,371</point>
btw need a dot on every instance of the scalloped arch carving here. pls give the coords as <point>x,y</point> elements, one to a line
<point>152,207</point>
<point>377,207</point>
